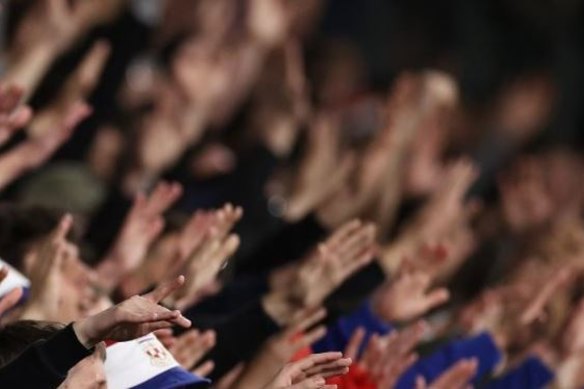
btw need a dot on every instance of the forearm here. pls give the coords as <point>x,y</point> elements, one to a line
<point>49,362</point>
<point>26,69</point>
<point>235,341</point>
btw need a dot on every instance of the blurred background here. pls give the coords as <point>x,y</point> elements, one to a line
<point>222,96</point>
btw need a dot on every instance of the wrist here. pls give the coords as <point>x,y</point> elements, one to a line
<point>81,330</point>
<point>110,273</point>
<point>279,307</point>
<point>138,180</point>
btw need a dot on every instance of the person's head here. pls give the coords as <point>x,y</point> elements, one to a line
<point>17,336</point>
<point>89,373</point>
<point>21,228</point>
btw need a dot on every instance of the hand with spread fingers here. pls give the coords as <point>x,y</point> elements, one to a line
<point>189,348</point>
<point>280,349</point>
<point>132,318</point>
<point>386,358</point>
<point>50,299</point>
<point>322,170</point>
<point>35,151</point>
<point>142,226</point>
<point>407,297</point>
<point>34,50</point>
<point>458,376</point>
<point>350,247</point>
<point>448,203</point>
<point>206,260</point>
<point>311,372</point>
<point>13,114</point>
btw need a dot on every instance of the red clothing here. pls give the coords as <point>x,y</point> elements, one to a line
<point>356,378</point>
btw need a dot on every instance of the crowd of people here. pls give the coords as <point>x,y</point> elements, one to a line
<point>206,193</point>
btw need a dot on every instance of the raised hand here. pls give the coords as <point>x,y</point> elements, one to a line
<point>407,297</point>
<point>190,347</point>
<point>425,169</point>
<point>445,221</point>
<point>34,50</point>
<point>50,299</point>
<point>385,358</point>
<point>457,376</point>
<point>133,318</point>
<point>448,203</point>
<point>205,261</point>
<point>35,151</point>
<point>310,372</point>
<point>280,349</point>
<point>322,171</point>
<point>13,115</point>
<point>142,226</point>
<point>350,247</point>
<point>269,21</point>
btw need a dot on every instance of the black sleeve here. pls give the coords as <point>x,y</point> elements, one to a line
<point>288,244</point>
<point>239,336</point>
<point>44,364</point>
<point>357,288</point>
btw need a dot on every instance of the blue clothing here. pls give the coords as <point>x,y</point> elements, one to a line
<point>530,374</point>
<point>481,347</point>
<point>339,333</point>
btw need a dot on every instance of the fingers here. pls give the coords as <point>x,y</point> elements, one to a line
<point>394,370</point>
<point>311,337</point>
<point>11,122</point>
<point>194,232</point>
<point>63,228</point>
<point>330,369</point>
<point>162,197</point>
<point>436,298</point>
<point>225,218</point>
<point>343,232</point>
<point>10,97</point>
<point>166,337</point>
<point>88,72</point>
<point>409,337</point>
<point>10,300</point>
<point>304,320</point>
<point>357,243</point>
<point>352,349</point>
<point>421,382</point>
<point>312,383</point>
<point>205,369</point>
<point>164,290</point>
<point>457,376</point>
<point>3,273</point>
<point>192,346</point>
<point>74,115</point>
<point>315,359</point>
<point>228,248</point>
<point>540,300</point>
<point>156,326</point>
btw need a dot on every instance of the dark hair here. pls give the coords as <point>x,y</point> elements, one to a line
<point>17,336</point>
<point>20,227</point>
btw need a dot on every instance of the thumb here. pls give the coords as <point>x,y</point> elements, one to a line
<point>421,382</point>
